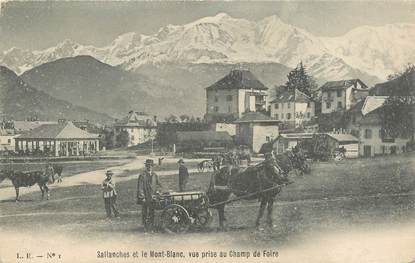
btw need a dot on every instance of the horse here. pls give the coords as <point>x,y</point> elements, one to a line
<point>269,175</point>
<point>205,164</point>
<point>26,179</point>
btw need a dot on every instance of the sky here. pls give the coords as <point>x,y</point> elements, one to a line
<point>37,25</point>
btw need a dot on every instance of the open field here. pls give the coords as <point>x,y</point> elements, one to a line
<point>341,201</point>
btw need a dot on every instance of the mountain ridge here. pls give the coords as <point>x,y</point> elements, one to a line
<point>224,39</point>
<point>20,101</point>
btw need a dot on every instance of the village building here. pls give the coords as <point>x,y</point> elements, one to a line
<point>210,141</point>
<point>140,126</point>
<point>365,122</point>
<point>293,108</point>
<point>7,139</point>
<point>254,129</point>
<point>342,95</point>
<point>288,141</point>
<point>57,139</point>
<point>236,93</point>
<point>401,86</point>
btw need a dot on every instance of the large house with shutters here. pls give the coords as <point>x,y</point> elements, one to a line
<point>293,108</point>
<point>140,126</point>
<point>342,95</point>
<point>365,123</point>
<point>236,93</point>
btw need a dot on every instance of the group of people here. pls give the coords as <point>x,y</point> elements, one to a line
<point>148,186</point>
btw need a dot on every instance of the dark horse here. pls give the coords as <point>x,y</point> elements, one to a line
<point>270,174</point>
<point>26,179</point>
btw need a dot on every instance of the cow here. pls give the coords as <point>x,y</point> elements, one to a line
<point>27,179</point>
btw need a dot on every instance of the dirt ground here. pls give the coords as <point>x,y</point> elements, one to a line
<point>350,211</point>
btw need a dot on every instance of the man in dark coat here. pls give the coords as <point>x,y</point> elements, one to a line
<point>147,186</point>
<point>183,176</point>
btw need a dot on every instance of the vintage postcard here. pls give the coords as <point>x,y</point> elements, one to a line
<point>208,131</point>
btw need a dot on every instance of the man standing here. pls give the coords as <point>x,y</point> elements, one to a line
<point>109,194</point>
<point>183,176</point>
<point>147,185</point>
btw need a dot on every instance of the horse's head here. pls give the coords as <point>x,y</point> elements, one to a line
<point>5,174</point>
<point>299,161</point>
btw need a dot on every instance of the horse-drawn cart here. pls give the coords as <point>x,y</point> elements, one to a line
<point>181,210</point>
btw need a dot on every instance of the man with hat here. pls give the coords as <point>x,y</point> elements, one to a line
<point>183,176</point>
<point>147,185</point>
<point>109,194</point>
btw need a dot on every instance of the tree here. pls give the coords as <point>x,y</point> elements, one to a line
<point>299,79</point>
<point>398,112</point>
<point>184,118</point>
<point>171,119</point>
<point>108,138</point>
<point>122,139</point>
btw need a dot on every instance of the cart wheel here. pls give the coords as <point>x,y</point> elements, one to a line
<point>204,218</point>
<point>175,219</point>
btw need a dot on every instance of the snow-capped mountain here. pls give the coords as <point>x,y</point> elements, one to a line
<point>375,51</point>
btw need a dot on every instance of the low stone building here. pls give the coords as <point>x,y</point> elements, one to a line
<point>57,139</point>
<point>191,141</point>
<point>254,129</point>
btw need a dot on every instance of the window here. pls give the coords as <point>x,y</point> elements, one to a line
<point>276,105</point>
<point>328,94</point>
<point>9,141</point>
<point>216,99</point>
<point>276,116</point>
<point>339,93</point>
<point>216,108</point>
<point>132,138</point>
<point>368,133</point>
<point>288,116</point>
<point>308,115</point>
<point>328,105</point>
<point>308,104</point>
<point>339,105</point>
<point>229,98</point>
<point>288,105</point>
<point>267,138</point>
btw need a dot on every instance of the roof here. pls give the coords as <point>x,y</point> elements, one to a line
<point>343,84</point>
<point>137,119</point>
<point>291,95</point>
<point>66,130</point>
<point>239,79</point>
<point>203,136</point>
<point>368,105</point>
<point>401,86</point>
<point>6,132</point>
<point>372,103</point>
<point>296,136</point>
<point>255,116</point>
<point>343,137</point>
